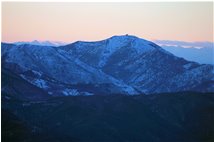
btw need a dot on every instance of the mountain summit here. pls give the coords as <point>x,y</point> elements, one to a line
<point>117,65</point>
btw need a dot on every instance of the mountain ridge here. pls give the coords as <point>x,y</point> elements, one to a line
<point>125,64</point>
<point>187,50</point>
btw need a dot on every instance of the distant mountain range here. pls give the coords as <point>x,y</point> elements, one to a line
<point>41,43</point>
<point>184,43</point>
<point>117,65</point>
<point>201,52</point>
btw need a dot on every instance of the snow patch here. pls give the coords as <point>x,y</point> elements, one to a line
<point>6,97</point>
<point>87,94</point>
<point>23,76</point>
<point>70,92</point>
<point>37,73</point>
<point>40,83</point>
<point>126,88</point>
<point>50,93</point>
<point>187,66</point>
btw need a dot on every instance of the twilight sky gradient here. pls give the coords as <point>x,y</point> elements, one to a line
<point>185,21</point>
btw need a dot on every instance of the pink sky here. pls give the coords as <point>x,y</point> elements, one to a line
<point>68,22</point>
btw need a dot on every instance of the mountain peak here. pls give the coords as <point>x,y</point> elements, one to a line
<point>124,36</point>
<point>134,42</point>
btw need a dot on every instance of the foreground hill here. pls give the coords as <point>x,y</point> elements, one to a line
<point>181,117</point>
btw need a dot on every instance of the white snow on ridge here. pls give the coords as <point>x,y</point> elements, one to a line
<point>107,78</point>
<point>187,66</point>
<point>37,73</point>
<point>142,46</point>
<point>126,88</point>
<point>23,77</point>
<point>87,94</point>
<point>117,42</point>
<point>70,92</point>
<point>37,82</point>
<point>113,44</point>
<point>74,92</point>
<point>40,83</point>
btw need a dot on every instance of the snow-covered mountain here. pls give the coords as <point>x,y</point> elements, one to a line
<point>41,43</point>
<point>118,65</point>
